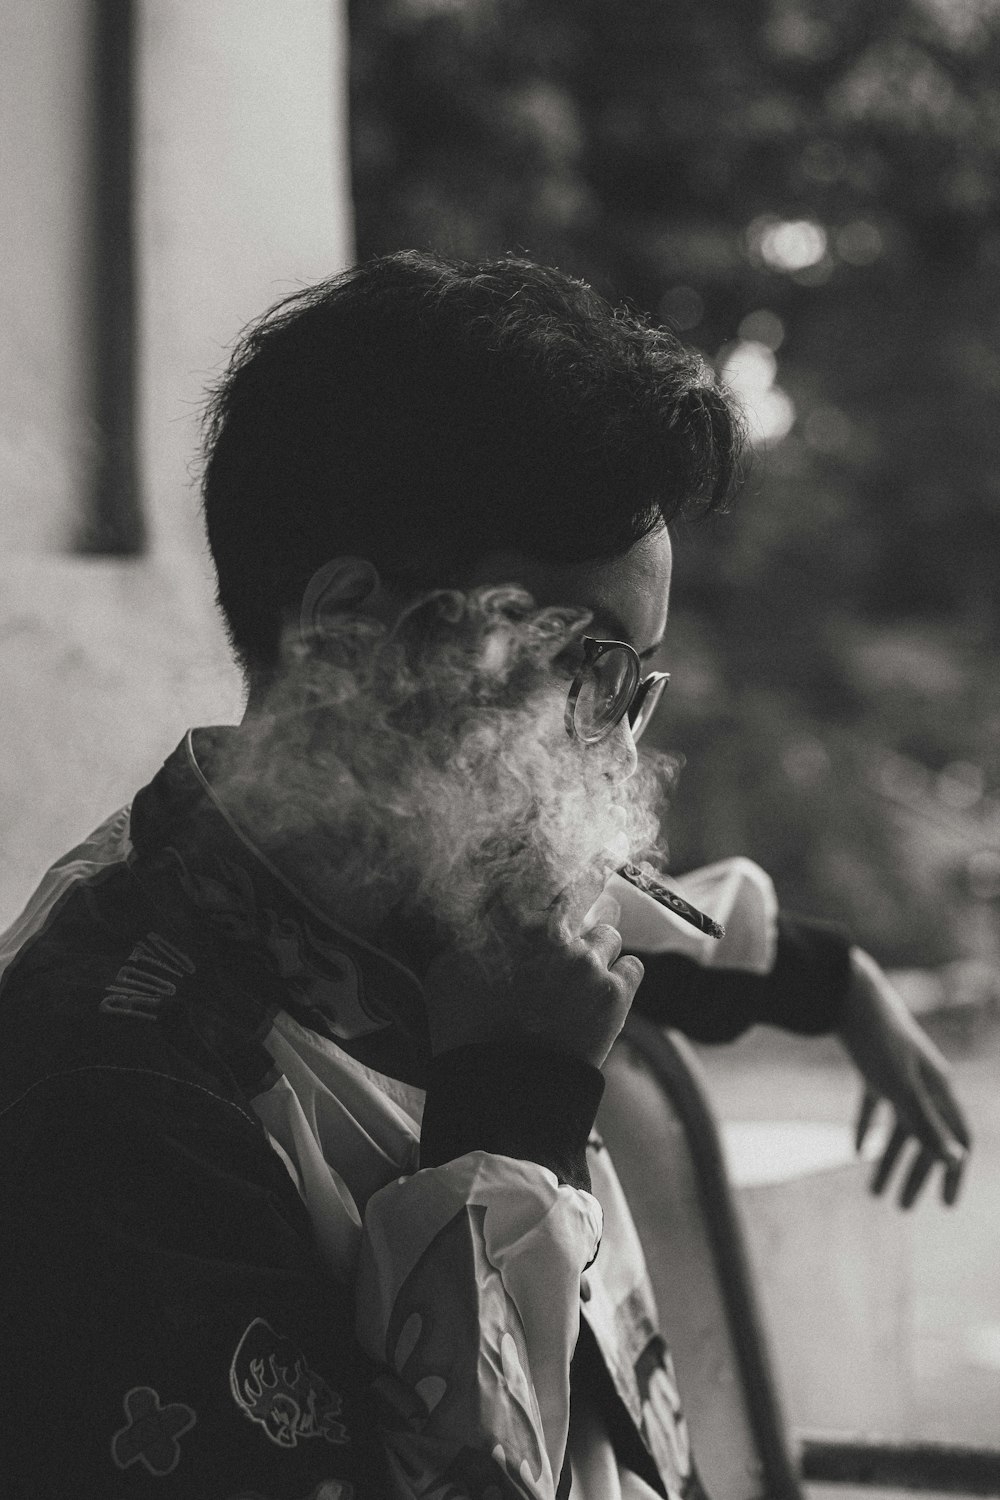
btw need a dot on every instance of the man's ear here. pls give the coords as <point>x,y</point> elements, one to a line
<point>343,583</point>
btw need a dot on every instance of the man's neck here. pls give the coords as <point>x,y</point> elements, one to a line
<point>307,855</point>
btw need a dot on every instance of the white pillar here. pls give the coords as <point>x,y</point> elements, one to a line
<point>833,1271</point>
<point>44,119</point>
<point>242,194</point>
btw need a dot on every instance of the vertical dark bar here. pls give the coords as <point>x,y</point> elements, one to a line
<point>113,522</point>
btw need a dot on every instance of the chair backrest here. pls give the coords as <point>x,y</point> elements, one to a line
<point>657,1122</point>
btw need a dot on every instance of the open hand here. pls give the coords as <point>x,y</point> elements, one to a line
<point>901,1065</point>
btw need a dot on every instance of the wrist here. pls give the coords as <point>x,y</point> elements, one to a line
<point>512,1097</point>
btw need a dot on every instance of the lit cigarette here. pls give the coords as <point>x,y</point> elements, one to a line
<point>670,899</point>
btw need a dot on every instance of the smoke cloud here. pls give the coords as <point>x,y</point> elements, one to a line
<point>425,772</point>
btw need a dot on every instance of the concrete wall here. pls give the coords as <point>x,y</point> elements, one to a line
<point>833,1276</point>
<point>242,195</point>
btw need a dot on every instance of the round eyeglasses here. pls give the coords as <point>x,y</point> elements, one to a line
<point>608,685</point>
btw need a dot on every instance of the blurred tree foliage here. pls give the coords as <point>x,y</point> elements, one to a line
<point>815,184</point>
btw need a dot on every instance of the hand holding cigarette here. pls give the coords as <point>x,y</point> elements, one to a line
<point>551,980</point>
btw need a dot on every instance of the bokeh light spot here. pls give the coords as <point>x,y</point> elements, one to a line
<point>860,242</point>
<point>763,327</point>
<point>749,368</point>
<point>792,244</point>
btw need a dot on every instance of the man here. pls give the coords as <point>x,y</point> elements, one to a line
<point>303,1050</point>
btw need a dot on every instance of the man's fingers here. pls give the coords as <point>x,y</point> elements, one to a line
<point>631,970</point>
<point>936,1144</point>
<point>948,1107</point>
<point>890,1156</point>
<point>606,942</point>
<point>953,1174</point>
<point>866,1113</point>
<point>915,1179</point>
<point>931,1128</point>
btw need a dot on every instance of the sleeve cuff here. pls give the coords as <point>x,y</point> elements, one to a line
<point>804,991</point>
<point>707,1005</point>
<point>810,976</point>
<point>512,1098</point>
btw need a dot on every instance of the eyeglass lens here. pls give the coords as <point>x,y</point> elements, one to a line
<point>609,680</point>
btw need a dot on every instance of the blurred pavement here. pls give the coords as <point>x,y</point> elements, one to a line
<point>955,1275</point>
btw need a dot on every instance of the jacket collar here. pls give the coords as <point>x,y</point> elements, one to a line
<point>269,945</point>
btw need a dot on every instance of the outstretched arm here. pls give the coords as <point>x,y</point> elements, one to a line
<point>816,982</point>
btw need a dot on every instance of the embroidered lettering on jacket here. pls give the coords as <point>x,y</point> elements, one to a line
<point>146,978</point>
<point>272,1384</point>
<point>150,1436</point>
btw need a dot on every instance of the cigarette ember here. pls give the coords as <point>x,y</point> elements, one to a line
<point>644,881</point>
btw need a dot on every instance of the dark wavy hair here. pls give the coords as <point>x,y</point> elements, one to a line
<point>421,411</point>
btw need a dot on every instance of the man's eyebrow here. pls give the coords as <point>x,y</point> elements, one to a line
<point>617,626</point>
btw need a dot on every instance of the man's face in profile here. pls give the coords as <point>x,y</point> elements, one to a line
<point>434,755</point>
<point>627,598</point>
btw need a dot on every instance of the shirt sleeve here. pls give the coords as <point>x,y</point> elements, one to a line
<point>469,1281</point>
<point>171,1331</point>
<point>803,991</point>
